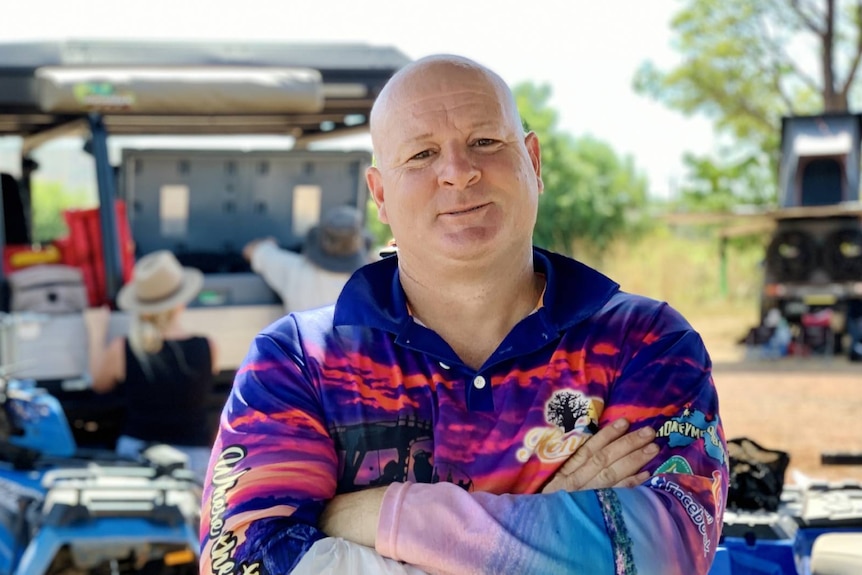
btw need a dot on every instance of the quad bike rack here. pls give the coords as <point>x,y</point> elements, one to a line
<point>87,512</point>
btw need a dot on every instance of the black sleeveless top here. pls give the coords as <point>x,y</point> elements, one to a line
<point>167,395</point>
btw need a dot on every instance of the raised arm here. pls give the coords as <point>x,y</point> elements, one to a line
<point>105,361</point>
<point>275,265</point>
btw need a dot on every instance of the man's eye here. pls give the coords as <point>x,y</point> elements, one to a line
<point>484,142</point>
<point>421,155</point>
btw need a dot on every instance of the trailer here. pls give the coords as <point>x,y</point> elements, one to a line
<point>813,263</point>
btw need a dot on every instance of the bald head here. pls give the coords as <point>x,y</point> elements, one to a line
<point>456,178</point>
<point>428,77</point>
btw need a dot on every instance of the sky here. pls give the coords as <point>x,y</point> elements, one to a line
<point>586,50</point>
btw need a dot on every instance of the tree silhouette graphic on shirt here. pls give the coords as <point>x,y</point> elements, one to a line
<point>565,408</point>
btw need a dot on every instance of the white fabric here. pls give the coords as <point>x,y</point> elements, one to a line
<point>837,554</point>
<point>336,556</point>
<point>198,457</point>
<point>300,284</point>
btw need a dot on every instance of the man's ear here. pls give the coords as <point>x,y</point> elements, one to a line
<point>374,180</point>
<point>535,152</point>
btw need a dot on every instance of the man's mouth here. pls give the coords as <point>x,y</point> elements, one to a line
<point>465,210</point>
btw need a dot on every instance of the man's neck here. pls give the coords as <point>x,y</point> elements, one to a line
<point>471,309</point>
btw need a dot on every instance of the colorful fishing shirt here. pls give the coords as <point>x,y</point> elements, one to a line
<point>340,399</point>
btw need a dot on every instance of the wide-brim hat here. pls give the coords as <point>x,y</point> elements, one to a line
<point>159,283</point>
<point>339,243</point>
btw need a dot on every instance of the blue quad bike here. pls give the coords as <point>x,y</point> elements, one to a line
<point>69,511</point>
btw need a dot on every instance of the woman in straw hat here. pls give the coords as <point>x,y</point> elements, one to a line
<point>166,373</point>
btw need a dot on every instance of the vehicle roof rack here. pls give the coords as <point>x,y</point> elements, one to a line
<point>342,79</point>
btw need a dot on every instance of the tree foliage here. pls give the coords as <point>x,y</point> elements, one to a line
<point>50,199</point>
<point>591,194</point>
<point>379,231</point>
<point>740,178</point>
<point>747,63</point>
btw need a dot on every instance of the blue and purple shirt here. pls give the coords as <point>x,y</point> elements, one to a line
<point>360,395</point>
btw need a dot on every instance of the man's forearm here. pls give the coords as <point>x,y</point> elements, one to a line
<point>441,528</point>
<point>354,516</point>
<point>611,458</point>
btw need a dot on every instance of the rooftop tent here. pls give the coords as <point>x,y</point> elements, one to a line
<point>819,160</point>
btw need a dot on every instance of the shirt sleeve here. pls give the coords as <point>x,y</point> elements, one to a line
<point>273,464</point>
<point>276,266</point>
<point>671,524</point>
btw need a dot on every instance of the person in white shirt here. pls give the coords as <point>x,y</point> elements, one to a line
<point>332,251</point>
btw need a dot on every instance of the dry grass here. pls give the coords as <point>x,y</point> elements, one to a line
<point>684,270</point>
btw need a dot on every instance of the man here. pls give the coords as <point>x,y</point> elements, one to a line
<point>455,410</point>
<point>332,251</point>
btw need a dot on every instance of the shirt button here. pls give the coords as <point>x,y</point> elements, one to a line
<point>479,382</point>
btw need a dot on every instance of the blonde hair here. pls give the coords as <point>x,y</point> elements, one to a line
<point>146,333</point>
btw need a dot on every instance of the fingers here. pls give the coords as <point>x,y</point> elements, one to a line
<point>593,447</point>
<point>624,458</point>
<point>634,480</point>
<point>611,458</point>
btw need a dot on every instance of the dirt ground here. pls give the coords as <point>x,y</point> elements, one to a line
<point>804,406</point>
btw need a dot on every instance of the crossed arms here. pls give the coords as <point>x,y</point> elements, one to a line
<point>274,491</point>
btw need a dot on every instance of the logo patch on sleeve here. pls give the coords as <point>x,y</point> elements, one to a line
<point>676,464</point>
<point>690,426</point>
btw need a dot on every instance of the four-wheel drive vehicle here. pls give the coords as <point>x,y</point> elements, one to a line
<point>813,267</point>
<point>203,202</point>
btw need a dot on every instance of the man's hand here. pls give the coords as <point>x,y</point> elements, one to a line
<point>248,249</point>
<point>354,516</point>
<point>610,458</point>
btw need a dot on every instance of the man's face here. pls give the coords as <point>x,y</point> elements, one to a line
<point>456,178</point>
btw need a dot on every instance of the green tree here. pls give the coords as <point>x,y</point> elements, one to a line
<point>592,195</point>
<point>49,199</point>
<point>378,230</point>
<point>740,178</point>
<point>747,63</point>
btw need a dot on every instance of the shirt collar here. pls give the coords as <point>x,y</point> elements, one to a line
<point>373,296</point>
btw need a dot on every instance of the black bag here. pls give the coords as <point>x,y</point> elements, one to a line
<point>756,475</point>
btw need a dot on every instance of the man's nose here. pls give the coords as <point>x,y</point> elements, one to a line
<point>457,169</point>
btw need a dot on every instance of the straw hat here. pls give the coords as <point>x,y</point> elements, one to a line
<point>339,243</point>
<point>159,283</point>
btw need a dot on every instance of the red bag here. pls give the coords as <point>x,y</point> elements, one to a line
<point>83,249</point>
